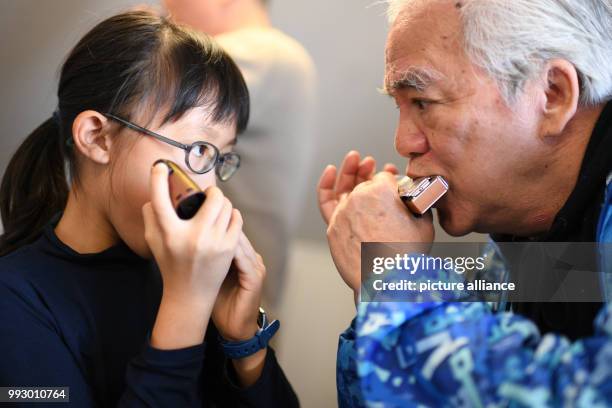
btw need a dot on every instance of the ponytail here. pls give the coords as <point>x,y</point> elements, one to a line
<point>34,187</point>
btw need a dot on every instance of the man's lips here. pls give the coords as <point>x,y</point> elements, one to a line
<point>415,176</point>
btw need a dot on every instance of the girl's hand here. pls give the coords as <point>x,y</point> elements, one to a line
<point>193,256</point>
<point>236,310</point>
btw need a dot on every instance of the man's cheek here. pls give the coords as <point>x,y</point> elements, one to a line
<point>448,151</point>
<point>454,218</point>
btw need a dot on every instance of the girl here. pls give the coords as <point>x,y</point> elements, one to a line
<point>81,303</point>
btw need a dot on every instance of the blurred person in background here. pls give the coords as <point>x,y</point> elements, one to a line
<point>281,79</point>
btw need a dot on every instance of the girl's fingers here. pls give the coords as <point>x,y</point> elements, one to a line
<point>326,193</point>
<point>246,257</point>
<point>348,173</point>
<point>247,247</point>
<point>239,257</point>
<point>224,216</point>
<point>160,197</point>
<point>148,217</point>
<point>152,232</point>
<point>234,228</point>
<point>213,204</point>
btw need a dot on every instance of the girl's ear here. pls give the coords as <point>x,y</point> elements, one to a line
<point>91,137</point>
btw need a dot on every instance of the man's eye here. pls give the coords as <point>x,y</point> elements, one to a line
<point>420,104</point>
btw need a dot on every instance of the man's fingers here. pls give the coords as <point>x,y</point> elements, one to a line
<point>327,209</point>
<point>348,173</point>
<point>326,193</point>
<point>385,177</point>
<point>366,171</point>
<point>391,168</point>
<point>328,178</point>
<point>352,172</point>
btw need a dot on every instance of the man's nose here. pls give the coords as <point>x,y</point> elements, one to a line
<point>409,140</point>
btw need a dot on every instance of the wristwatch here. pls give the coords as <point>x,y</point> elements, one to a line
<point>241,349</point>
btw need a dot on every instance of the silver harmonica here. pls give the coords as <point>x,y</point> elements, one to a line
<point>421,194</point>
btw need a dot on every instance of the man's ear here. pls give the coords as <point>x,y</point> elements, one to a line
<point>91,137</point>
<point>562,93</point>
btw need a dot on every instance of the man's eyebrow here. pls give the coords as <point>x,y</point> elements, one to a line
<point>415,78</point>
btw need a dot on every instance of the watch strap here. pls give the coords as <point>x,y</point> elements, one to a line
<point>245,348</point>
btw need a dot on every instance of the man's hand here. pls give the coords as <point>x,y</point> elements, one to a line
<point>332,188</point>
<point>372,212</point>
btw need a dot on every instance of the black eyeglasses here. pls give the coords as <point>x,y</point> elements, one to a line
<point>200,157</point>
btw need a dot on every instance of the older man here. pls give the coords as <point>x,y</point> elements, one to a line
<point>509,101</point>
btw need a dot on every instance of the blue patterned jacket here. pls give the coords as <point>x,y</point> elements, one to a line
<point>438,354</point>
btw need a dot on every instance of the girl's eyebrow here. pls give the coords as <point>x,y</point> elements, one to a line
<point>212,135</point>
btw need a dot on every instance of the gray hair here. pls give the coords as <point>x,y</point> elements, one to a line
<point>513,39</point>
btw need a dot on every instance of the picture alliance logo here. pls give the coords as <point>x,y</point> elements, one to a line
<point>479,285</point>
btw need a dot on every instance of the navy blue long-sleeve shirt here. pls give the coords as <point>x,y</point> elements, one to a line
<point>83,321</point>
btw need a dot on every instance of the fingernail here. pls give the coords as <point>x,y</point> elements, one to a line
<point>158,162</point>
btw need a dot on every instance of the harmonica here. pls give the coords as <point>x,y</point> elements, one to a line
<point>185,194</point>
<point>421,194</point>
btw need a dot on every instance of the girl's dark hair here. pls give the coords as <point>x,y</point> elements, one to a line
<point>128,62</point>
